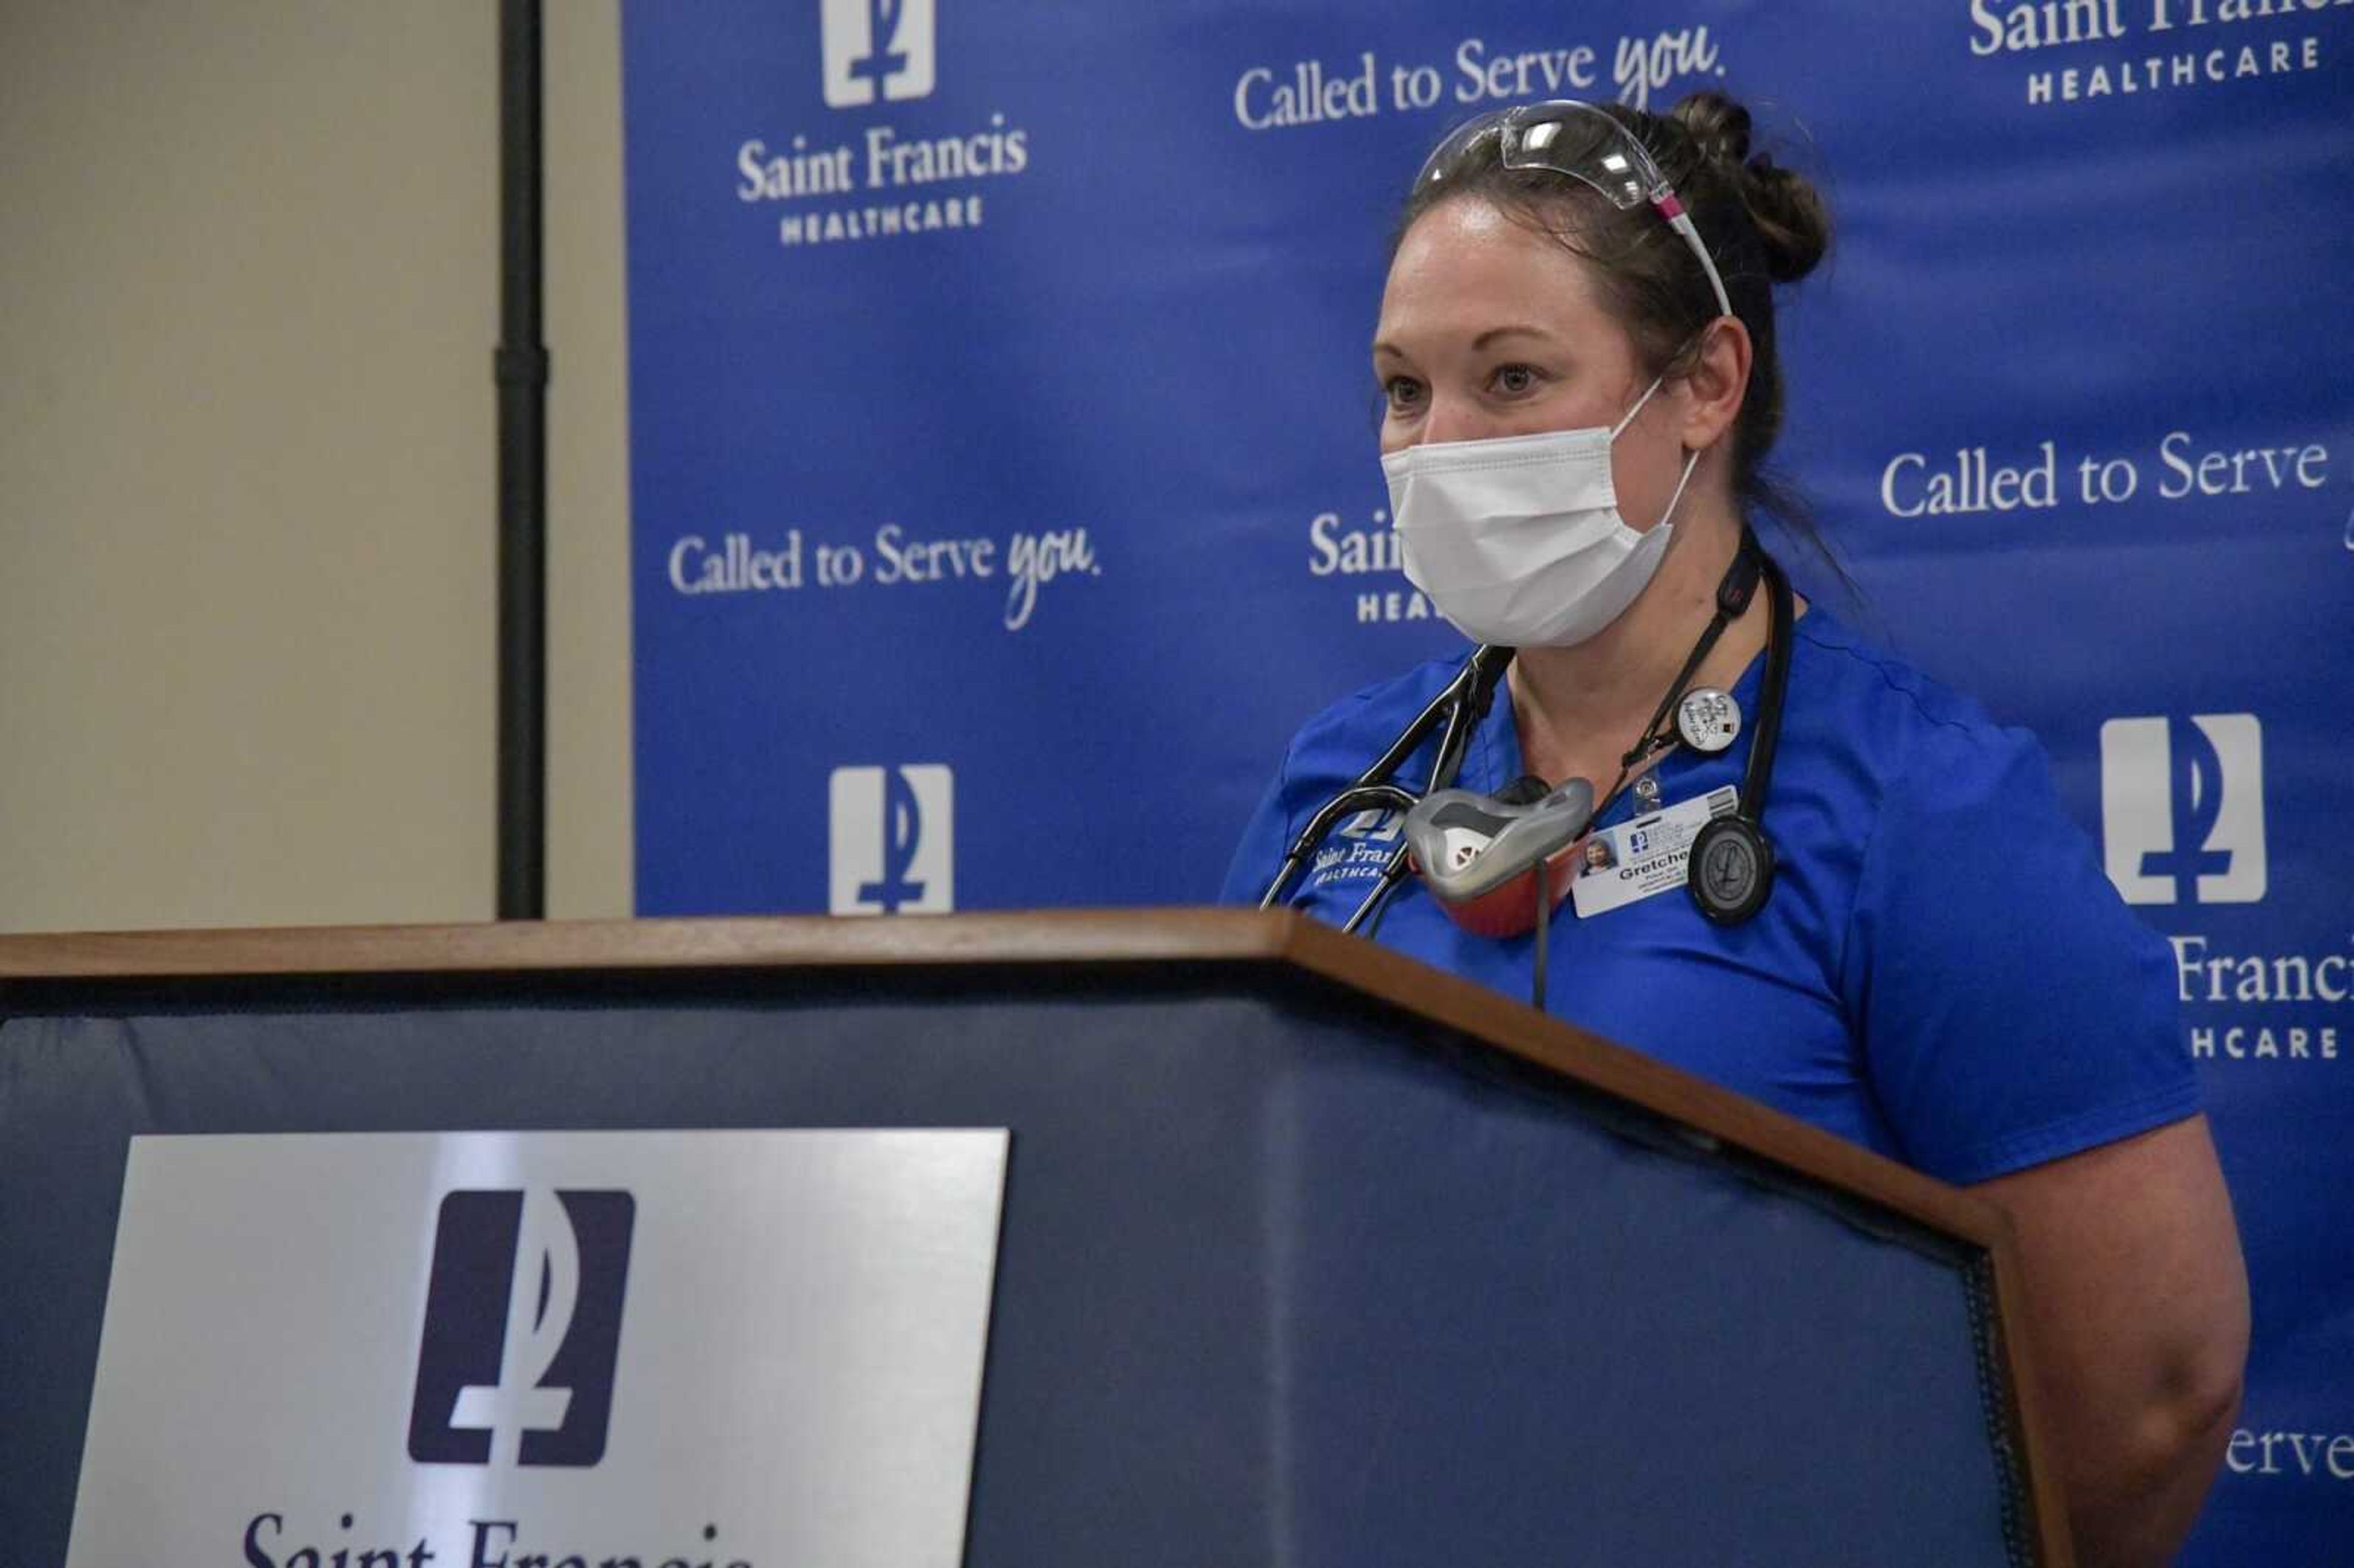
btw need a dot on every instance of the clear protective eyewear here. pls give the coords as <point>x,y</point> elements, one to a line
<point>1591,147</point>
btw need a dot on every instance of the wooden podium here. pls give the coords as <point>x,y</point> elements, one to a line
<point>1309,1254</point>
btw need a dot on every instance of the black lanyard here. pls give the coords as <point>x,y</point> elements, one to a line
<point>1733,592</point>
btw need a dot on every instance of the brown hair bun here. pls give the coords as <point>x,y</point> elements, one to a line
<point>1792,221</point>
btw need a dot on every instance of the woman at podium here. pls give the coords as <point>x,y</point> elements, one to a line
<point>1691,812</point>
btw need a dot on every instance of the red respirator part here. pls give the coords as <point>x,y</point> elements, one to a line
<point>1485,857</point>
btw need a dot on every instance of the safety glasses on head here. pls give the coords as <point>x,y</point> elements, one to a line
<point>1587,144</point>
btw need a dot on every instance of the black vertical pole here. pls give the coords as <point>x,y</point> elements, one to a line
<point>522,375</point>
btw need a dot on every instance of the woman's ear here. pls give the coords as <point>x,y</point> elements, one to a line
<point>1717,384</point>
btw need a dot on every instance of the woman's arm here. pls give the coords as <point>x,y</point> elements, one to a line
<point>2137,1320</point>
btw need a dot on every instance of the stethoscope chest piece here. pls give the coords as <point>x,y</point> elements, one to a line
<point>1731,870</point>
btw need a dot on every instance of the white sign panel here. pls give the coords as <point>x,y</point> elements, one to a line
<point>745,1350</point>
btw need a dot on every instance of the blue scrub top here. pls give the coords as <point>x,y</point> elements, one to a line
<point>1942,972</point>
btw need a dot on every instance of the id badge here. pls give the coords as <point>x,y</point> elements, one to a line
<point>1645,857</point>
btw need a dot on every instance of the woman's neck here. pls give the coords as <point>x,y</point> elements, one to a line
<point>1580,709</point>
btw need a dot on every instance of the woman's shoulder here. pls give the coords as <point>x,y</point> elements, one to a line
<point>1897,720</point>
<point>1326,755</point>
<point>1347,734</point>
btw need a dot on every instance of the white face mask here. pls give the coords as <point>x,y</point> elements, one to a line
<point>1517,540</point>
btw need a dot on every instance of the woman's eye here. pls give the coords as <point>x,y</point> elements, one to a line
<point>1514,380</point>
<point>1404,392</point>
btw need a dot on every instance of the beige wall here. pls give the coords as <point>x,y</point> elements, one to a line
<point>248,521</point>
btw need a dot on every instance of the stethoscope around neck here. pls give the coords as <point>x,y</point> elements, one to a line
<point>1489,858</point>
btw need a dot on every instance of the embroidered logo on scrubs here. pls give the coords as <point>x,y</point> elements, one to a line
<point>1358,848</point>
<point>892,840</point>
<point>2182,809</point>
<point>1372,827</point>
<point>877,44</point>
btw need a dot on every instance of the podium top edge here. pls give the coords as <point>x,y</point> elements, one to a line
<point>521,947</point>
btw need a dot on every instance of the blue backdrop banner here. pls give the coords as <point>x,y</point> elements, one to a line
<point>1004,487</point>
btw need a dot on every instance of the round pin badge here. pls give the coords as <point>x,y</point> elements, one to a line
<point>1708,719</point>
<point>1731,870</point>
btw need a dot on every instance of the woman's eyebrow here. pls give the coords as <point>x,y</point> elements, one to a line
<point>1492,334</point>
<point>1382,346</point>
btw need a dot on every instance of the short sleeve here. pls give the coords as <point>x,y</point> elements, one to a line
<point>2011,1009</point>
